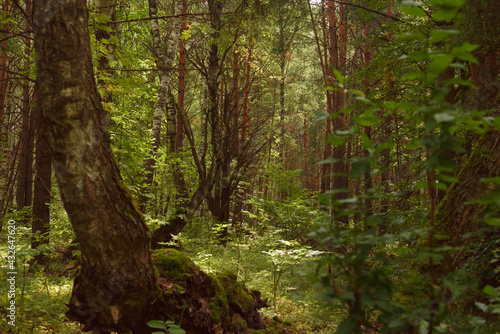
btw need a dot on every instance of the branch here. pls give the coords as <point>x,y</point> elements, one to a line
<point>371,11</point>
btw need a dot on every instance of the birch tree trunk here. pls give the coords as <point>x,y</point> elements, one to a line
<point>116,285</point>
<point>164,61</point>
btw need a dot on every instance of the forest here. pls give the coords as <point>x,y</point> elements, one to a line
<point>250,166</point>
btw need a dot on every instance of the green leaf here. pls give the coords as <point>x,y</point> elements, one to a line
<point>383,146</point>
<point>367,121</point>
<point>463,52</point>
<point>419,56</point>
<point>335,140</point>
<point>411,36</point>
<point>459,81</point>
<point>441,186</point>
<point>338,76</point>
<point>491,291</point>
<point>445,10</point>
<point>421,185</point>
<point>413,75</point>
<point>483,307</point>
<point>439,35</point>
<point>345,327</point>
<point>156,324</point>
<point>447,178</point>
<point>495,179</point>
<point>413,11</point>
<point>443,117</point>
<point>322,115</point>
<point>360,166</point>
<point>493,221</point>
<point>365,100</point>
<point>329,160</point>
<point>367,143</point>
<point>440,63</point>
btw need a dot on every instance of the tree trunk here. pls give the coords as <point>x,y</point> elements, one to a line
<point>182,81</point>
<point>326,177</point>
<point>457,214</point>
<point>368,182</point>
<point>164,61</point>
<point>3,66</point>
<point>340,182</point>
<point>42,193</point>
<point>116,285</point>
<point>245,122</point>
<point>210,117</point>
<point>24,190</point>
<point>103,34</point>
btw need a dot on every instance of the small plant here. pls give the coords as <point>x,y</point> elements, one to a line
<point>168,327</point>
<point>285,259</point>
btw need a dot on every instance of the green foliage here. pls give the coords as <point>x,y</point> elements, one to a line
<point>40,298</point>
<point>293,216</point>
<point>168,327</point>
<point>364,271</point>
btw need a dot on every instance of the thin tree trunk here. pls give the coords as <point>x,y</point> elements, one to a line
<point>338,168</point>
<point>245,121</point>
<point>367,130</point>
<point>164,61</point>
<point>24,190</point>
<point>326,178</point>
<point>387,130</point>
<point>41,210</point>
<point>182,81</point>
<point>103,35</point>
<point>115,288</point>
<point>3,67</point>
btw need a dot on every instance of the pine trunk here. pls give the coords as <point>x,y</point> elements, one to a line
<point>42,192</point>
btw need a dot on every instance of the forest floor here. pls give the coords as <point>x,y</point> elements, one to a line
<point>261,263</point>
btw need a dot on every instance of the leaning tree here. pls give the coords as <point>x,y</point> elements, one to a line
<point>116,285</point>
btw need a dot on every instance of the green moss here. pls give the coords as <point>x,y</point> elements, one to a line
<point>236,295</point>
<point>219,303</point>
<point>238,324</point>
<point>174,264</point>
<point>240,298</point>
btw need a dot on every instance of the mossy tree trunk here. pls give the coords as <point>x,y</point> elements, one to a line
<point>116,285</point>
<point>457,214</point>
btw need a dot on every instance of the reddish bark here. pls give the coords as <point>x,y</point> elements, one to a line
<point>3,67</point>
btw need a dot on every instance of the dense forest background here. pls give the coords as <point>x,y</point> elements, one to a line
<point>341,157</point>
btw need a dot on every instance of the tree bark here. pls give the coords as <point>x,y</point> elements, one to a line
<point>368,182</point>
<point>457,214</point>
<point>116,285</point>
<point>24,190</point>
<point>337,59</point>
<point>3,67</point>
<point>164,61</point>
<point>41,211</point>
<point>182,80</point>
<point>103,34</point>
